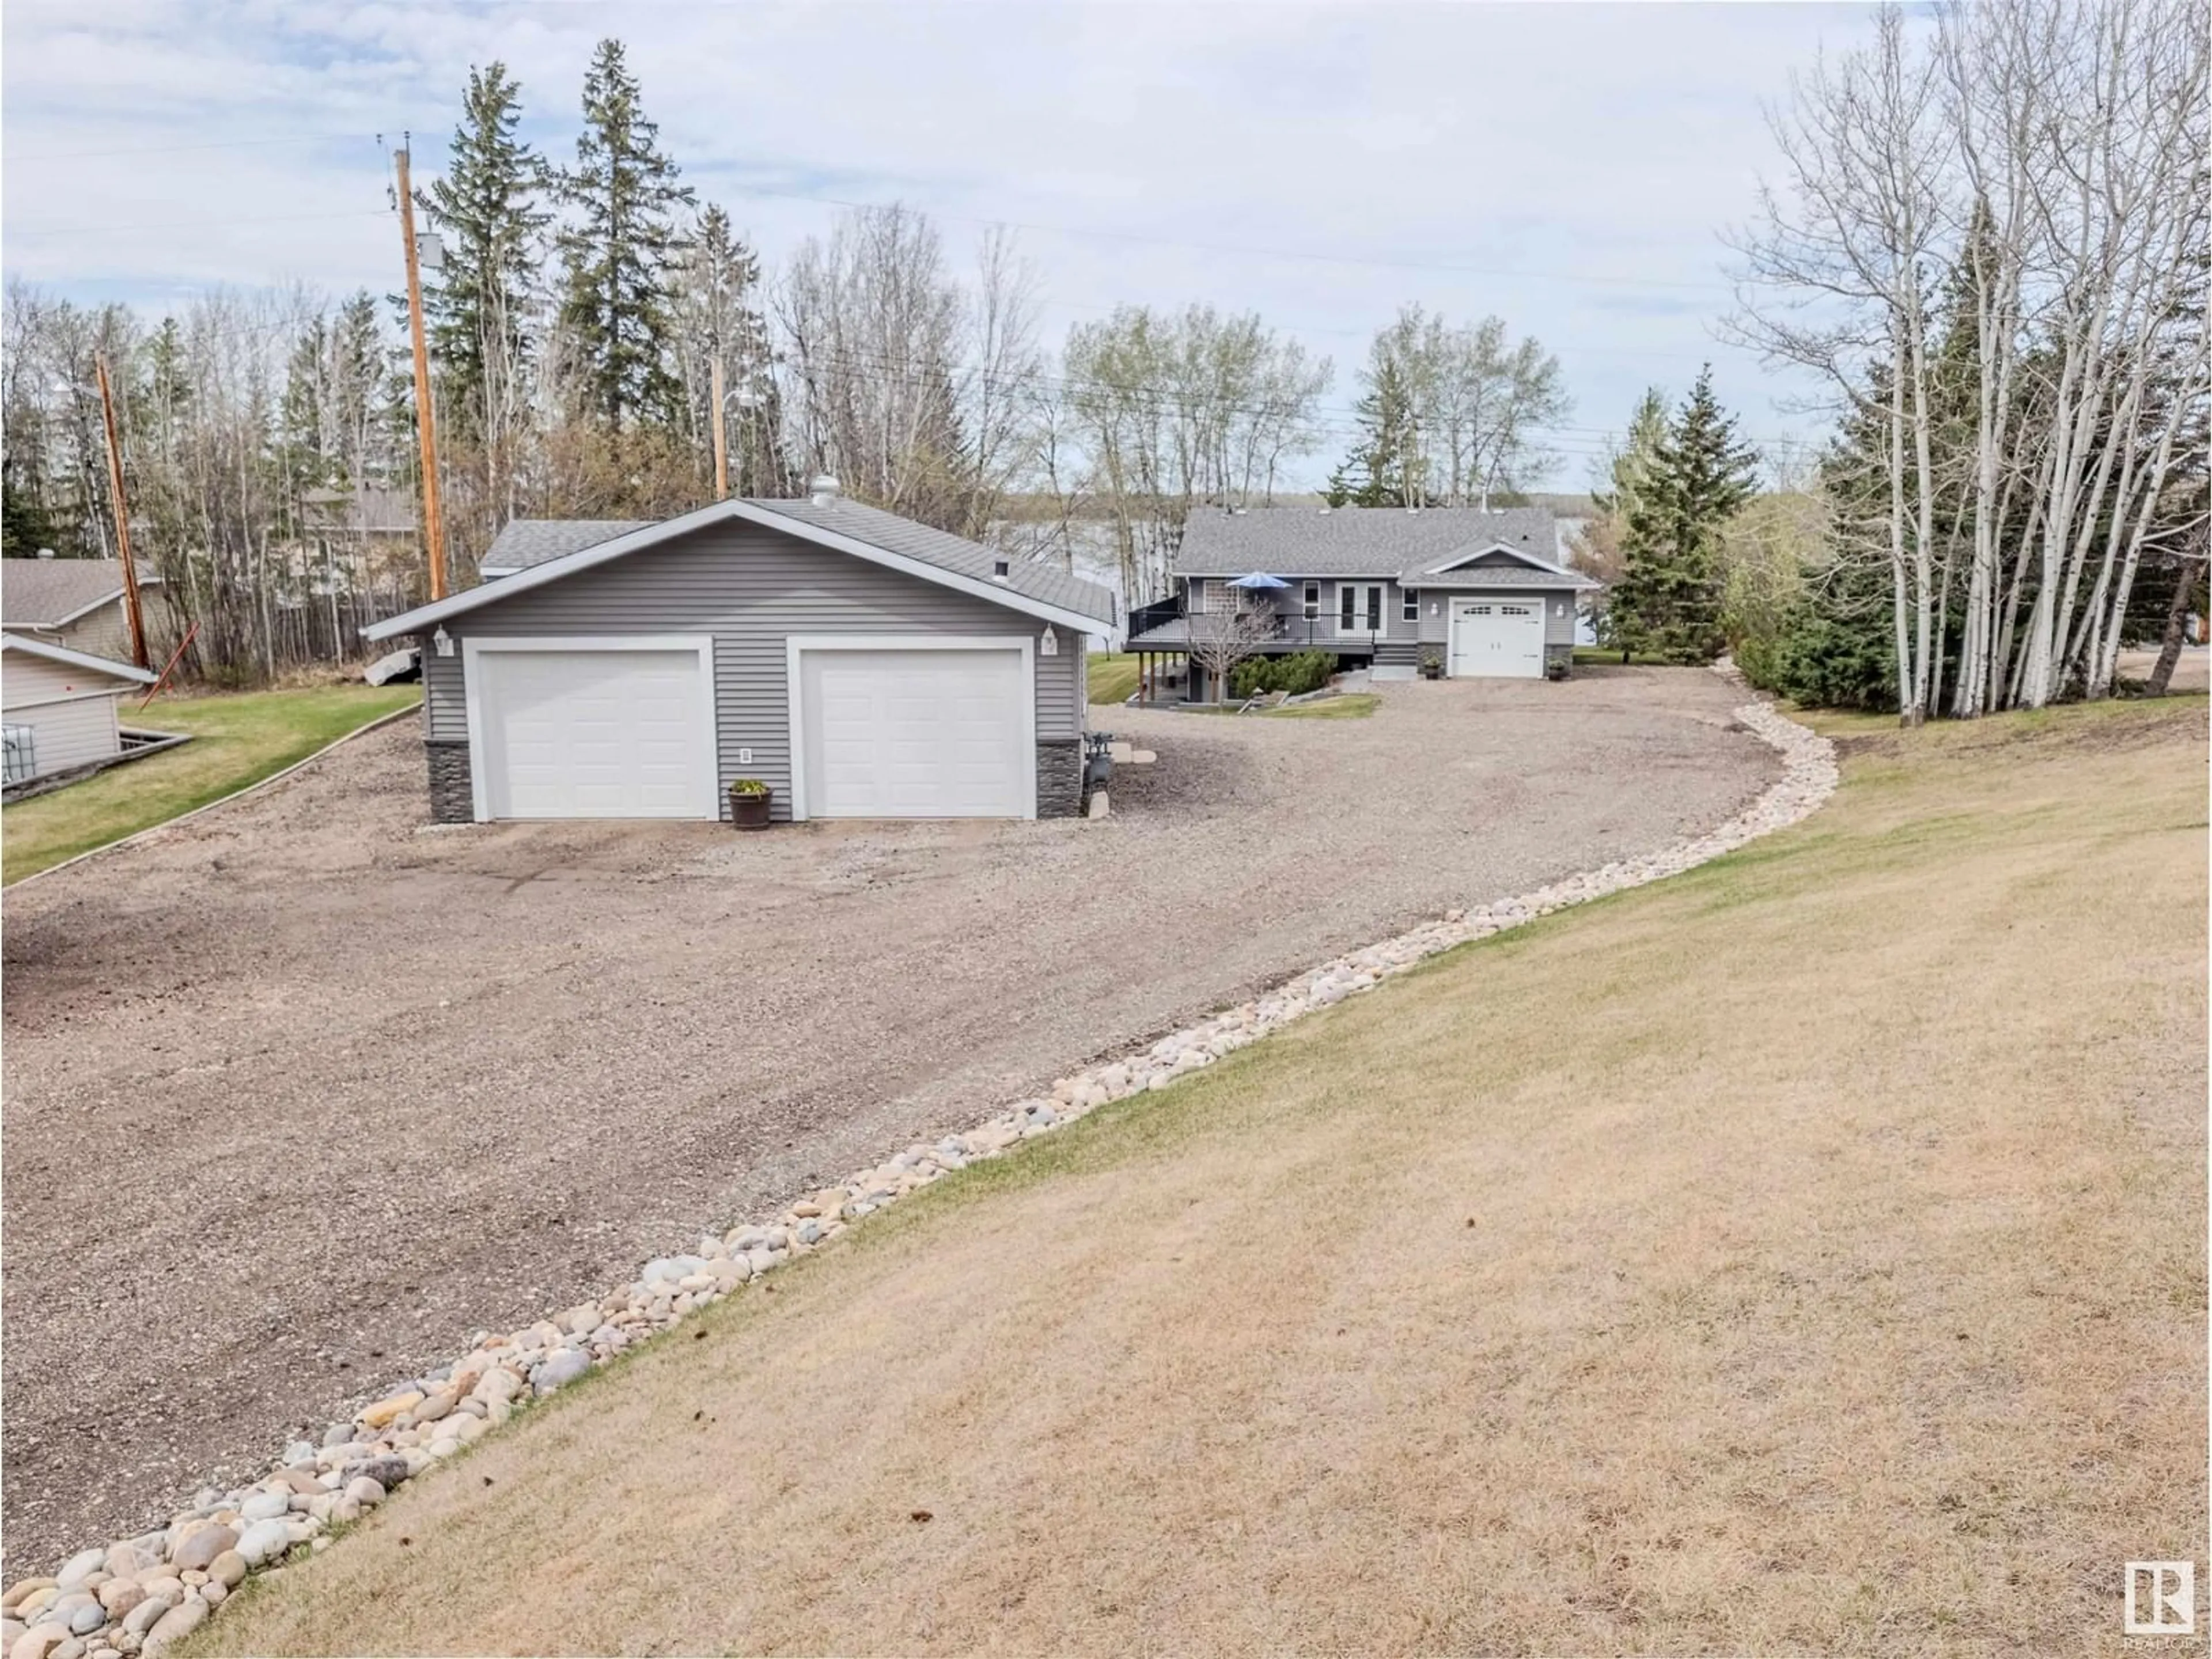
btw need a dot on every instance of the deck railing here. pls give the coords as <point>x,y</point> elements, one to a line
<point>1144,618</point>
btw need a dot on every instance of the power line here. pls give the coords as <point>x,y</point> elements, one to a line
<point>134,225</point>
<point>1262,252</point>
<point>171,149</point>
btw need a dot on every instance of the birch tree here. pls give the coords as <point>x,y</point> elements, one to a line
<point>2049,156</point>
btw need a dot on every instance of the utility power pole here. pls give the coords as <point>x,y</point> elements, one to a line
<point>426,422</point>
<point>721,447</point>
<point>131,610</point>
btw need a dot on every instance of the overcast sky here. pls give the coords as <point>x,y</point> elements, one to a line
<point>1568,167</point>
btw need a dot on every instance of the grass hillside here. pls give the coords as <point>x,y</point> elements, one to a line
<point>1113,676</point>
<point>1804,1254</point>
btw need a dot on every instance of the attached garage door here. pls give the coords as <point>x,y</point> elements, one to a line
<point>583,732</point>
<point>1498,639</point>
<point>938,733</point>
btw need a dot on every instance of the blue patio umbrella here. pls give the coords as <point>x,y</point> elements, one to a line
<point>1259,579</point>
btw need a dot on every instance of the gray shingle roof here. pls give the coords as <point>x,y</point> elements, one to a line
<point>1499,575</point>
<point>40,593</point>
<point>1354,541</point>
<point>528,542</point>
<point>941,548</point>
<point>525,542</point>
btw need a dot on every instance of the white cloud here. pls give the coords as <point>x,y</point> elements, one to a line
<point>1250,156</point>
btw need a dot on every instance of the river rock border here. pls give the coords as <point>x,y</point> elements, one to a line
<point>137,1595</point>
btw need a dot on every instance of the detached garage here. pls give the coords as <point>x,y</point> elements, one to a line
<point>860,665</point>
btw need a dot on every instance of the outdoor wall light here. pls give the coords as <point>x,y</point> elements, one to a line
<point>443,642</point>
<point>1049,644</point>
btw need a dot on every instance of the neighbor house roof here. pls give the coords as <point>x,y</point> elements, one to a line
<point>54,592</point>
<point>525,542</point>
<point>84,659</point>
<point>846,526</point>
<point>1357,541</point>
<point>372,510</point>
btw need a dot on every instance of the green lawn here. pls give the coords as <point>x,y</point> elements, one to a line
<point>1352,705</point>
<point>1113,676</point>
<point>238,738</point>
<point>1348,706</point>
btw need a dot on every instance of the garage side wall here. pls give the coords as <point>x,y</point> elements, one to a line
<point>751,588</point>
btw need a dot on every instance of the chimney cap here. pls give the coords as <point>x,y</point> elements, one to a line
<point>825,489</point>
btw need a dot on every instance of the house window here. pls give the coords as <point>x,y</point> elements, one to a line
<point>1359,606</point>
<point>1412,612</point>
<point>1196,587</point>
<point>1313,600</point>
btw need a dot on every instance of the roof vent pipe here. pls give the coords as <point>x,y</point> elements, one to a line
<point>825,489</point>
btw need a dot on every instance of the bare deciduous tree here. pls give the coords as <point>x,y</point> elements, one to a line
<point>2047,158</point>
<point>1227,634</point>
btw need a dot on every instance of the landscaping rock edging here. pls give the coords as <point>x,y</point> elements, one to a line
<point>135,1596</point>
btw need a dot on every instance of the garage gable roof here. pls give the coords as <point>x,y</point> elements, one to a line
<point>1477,566</point>
<point>844,526</point>
<point>1503,575</point>
<point>69,658</point>
<point>525,542</point>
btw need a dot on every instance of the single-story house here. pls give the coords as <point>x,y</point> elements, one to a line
<point>861,665</point>
<point>58,706</point>
<point>78,602</point>
<point>1483,590</point>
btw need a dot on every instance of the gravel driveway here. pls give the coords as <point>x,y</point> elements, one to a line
<point>297,1097</point>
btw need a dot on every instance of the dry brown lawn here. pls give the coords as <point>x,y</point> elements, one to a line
<point>1804,1255</point>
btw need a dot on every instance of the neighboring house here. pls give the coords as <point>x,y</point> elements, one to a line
<point>1377,584</point>
<point>861,665</point>
<point>370,514</point>
<point>78,602</point>
<point>60,705</point>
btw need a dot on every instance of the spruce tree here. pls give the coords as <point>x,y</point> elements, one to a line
<point>1384,468</point>
<point>1668,601</point>
<point>626,199</point>
<point>488,211</point>
<point>715,282</point>
<point>1647,429</point>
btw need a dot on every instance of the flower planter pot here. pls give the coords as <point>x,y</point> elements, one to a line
<point>750,812</point>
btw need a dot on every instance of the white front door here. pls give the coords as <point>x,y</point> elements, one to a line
<point>573,732</point>
<point>1498,639</point>
<point>915,733</point>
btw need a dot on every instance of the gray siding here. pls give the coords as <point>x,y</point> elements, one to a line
<point>1290,603</point>
<point>106,632</point>
<point>1557,629</point>
<point>751,588</point>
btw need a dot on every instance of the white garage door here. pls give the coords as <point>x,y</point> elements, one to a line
<point>1498,639</point>
<point>893,733</point>
<point>584,733</point>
